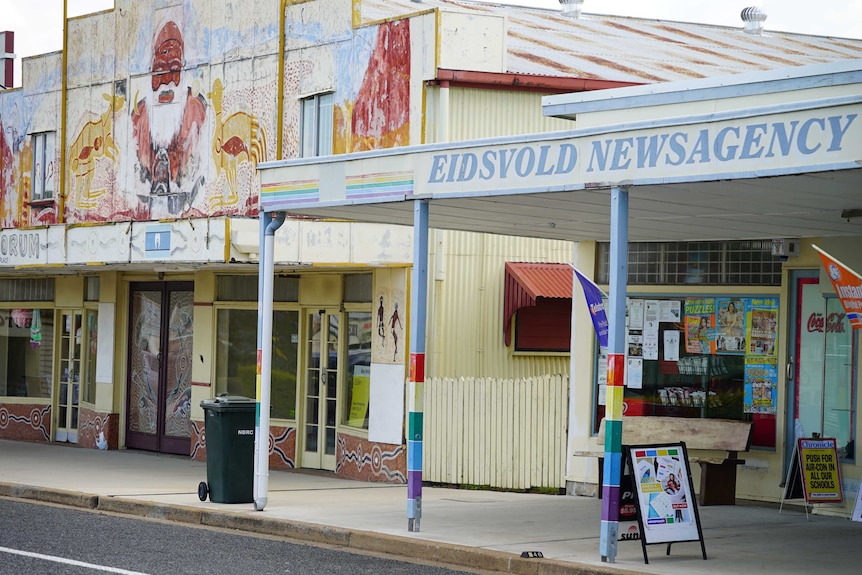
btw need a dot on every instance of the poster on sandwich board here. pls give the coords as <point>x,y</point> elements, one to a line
<point>667,509</point>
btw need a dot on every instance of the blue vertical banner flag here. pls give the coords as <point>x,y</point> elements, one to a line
<point>596,304</point>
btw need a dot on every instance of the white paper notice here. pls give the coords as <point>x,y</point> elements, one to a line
<point>671,345</point>
<point>650,333</point>
<point>636,314</point>
<point>650,341</point>
<point>635,372</point>
<point>669,311</point>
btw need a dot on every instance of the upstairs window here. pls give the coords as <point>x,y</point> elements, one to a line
<point>43,166</point>
<point>315,135</point>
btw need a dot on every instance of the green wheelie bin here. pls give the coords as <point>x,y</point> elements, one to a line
<point>229,433</point>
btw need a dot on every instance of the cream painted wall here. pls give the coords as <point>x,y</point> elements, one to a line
<point>204,344</point>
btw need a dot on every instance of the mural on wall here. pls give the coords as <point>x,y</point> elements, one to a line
<point>7,168</point>
<point>173,139</point>
<point>238,145</point>
<point>375,110</point>
<point>16,163</point>
<point>389,344</point>
<point>167,122</point>
<point>93,143</point>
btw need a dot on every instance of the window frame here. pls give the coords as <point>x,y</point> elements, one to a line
<point>316,125</point>
<point>221,387</point>
<point>42,171</point>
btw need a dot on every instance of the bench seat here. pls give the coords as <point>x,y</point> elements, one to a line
<point>718,472</point>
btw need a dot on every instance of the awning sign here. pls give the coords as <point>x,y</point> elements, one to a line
<point>848,286</point>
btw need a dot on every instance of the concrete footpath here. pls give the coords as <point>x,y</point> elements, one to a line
<point>467,529</point>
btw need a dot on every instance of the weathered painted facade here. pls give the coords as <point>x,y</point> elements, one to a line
<point>129,187</point>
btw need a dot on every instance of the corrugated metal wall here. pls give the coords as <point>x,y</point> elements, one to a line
<point>502,433</point>
<point>465,305</point>
<point>475,113</point>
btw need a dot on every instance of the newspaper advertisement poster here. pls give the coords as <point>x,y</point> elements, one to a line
<point>730,329</point>
<point>821,472</point>
<point>665,496</point>
<point>761,385</point>
<point>700,325</point>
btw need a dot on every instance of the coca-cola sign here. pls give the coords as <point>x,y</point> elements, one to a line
<point>833,323</point>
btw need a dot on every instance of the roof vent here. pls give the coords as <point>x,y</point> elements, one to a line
<point>572,8</point>
<point>754,18</point>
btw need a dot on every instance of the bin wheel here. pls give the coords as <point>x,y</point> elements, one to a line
<point>203,491</point>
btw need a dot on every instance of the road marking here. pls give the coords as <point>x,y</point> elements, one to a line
<point>70,562</point>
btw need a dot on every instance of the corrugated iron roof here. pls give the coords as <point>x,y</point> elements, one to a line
<point>624,49</point>
<point>526,282</point>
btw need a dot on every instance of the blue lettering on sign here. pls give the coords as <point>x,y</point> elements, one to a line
<point>732,143</point>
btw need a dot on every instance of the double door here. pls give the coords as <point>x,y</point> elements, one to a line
<point>160,366</point>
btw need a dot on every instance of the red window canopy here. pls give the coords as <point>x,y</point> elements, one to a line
<point>526,283</point>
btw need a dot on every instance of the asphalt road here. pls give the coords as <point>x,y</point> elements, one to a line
<point>46,540</point>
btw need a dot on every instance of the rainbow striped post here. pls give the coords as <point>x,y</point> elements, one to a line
<point>616,374</point>
<point>416,380</point>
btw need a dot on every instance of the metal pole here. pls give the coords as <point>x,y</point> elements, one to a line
<point>266,259</point>
<point>416,378</point>
<point>616,374</point>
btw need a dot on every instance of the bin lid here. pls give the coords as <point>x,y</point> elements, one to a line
<point>226,401</point>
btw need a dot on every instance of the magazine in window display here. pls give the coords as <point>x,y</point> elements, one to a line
<point>762,326</point>
<point>761,384</point>
<point>730,330</point>
<point>700,325</point>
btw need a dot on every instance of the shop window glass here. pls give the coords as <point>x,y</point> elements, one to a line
<point>745,262</point>
<point>90,354</point>
<point>244,288</point>
<point>316,127</point>
<point>358,380</point>
<point>709,357</point>
<point>236,357</point>
<point>826,378</point>
<point>544,327</point>
<point>26,352</point>
<point>358,288</point>
<point>43,166</point>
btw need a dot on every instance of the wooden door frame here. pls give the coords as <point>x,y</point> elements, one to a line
<point>156,442</point>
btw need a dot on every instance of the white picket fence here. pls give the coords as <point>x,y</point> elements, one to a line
<point>501,433</point>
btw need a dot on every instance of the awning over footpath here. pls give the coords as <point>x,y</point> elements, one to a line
<point>525,283</point>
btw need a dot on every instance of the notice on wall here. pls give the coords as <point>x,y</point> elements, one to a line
<point>821,471</point>
<point>669,311</point>
<point>651,331</point>
<point>635,313</point>
<point>634,372</point>
<point>671,345</point>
